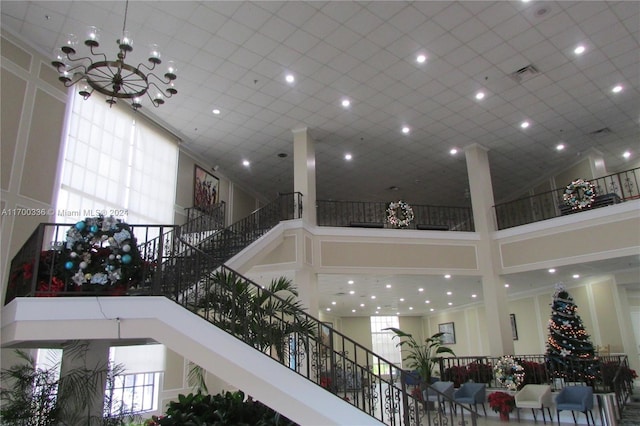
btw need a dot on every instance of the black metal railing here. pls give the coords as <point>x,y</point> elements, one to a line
<point>611,189</point>
<point>272,325</point>
<point>374,215</point>
<point>204,219</point>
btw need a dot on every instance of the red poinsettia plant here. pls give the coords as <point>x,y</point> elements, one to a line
<point>502,402</point>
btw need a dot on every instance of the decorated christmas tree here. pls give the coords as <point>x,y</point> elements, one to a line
<point>570,353</point>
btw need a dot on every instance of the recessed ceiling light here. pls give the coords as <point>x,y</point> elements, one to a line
<point>328,309</point>
<point>411,308</point>
<point>447,276</point>
<point>373,297</point>
<point>406,130</point>
<point>617,89</point>
<point>474,296</point>
<point>353,310</point>
<point>377,312</point>
<point>427,301</point>
<point>290,78</point>
<point>388,286</point>
<point>346,103</point>
<point>350,282</point>
<point>352,292</point>
<point>576,276</point>
<point>480,96</point>
<point>362,305</point>
<point>525,124</point>
<point>552,270</point>
<point>402,299</point>
<point>421,58</point>
<point>216,111</point>
<point>560,147</point>
<point>579,50</point>
<point>378,307</point>
<point>450,303</point>
<point>506,285</point>
<point>397,313</point>
<point>453,151</point>
<point>431,310</point>
<point>626,154</point>
<point>246,163</point>
<point>449,293</point>
<point>421,289</point>
<point>333,303</point>
<point>348,157</point>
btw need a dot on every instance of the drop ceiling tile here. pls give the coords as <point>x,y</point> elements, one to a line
<point>497,13</point>
<point>301,41</point>
<point>485,42</point>
<point>277,29</point>
<point>452,16</point>
<point>251,15</point>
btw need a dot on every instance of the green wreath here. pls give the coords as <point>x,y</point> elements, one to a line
<point>101,251</point>
<point>399,214</point>
<point>579,194</point>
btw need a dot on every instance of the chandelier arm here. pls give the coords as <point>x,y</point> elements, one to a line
<point>163,91</point>
<point>104,56</point>
<point>153,101</point>
<point>142,64</point>
<point>75,69</point>
<point>160,79</point>
<point>76,78</point>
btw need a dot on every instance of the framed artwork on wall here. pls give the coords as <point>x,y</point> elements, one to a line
<point>205,189</point>
<point>514,327</point>
<point>449,330</point>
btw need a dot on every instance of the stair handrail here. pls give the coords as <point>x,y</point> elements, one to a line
<point>312,357</point>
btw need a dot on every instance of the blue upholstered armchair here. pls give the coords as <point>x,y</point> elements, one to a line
<point>575,398</point>
<point>444,392</point>
<point>472,394</point>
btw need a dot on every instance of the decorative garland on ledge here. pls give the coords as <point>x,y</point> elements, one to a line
<point>579,194</point>
<point>399,214</point>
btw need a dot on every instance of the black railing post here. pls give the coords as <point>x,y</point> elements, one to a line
<point>36,262</point>
<point>157,276</point>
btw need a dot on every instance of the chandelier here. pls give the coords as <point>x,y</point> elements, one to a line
<point>116,79</point>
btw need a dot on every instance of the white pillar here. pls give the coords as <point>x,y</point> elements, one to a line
<point>494,292</point>
<point>304,173</point>
<point>94,358</point>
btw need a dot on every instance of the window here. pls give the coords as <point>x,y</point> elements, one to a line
<point>116,161</point>
<point>132,393</point>
<point>383,343</point>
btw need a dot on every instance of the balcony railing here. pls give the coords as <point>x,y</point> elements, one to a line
<point>611,189</point>
<point>374,215</point>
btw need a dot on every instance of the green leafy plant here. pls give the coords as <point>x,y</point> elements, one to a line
<point>39,397</point>
<point>229,408</point>
<point>262,318</point>
<point>422,357</point>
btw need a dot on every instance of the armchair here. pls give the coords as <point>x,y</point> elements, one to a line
<point>576,398</point>
<point>471,393</point>
<point>444,392</point>
<point>535,397</point>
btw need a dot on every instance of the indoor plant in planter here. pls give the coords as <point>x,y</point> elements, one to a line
<point>503,403</point>
<point>422,357</point>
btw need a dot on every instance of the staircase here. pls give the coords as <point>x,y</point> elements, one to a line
<point>256,339</point>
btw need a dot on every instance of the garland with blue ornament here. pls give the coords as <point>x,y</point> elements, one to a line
<point>101,252</point>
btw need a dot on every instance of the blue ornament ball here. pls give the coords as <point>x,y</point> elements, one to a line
<point>68,265</point>
<point>126,258</point>
<point>94,228</point>
<point>80,225</point>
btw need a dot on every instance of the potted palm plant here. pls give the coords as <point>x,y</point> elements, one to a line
<point>422,357</point>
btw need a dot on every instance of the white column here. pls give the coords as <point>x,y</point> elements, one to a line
<point>495,294</point>
<point>304,173</point>
<point>95,358</point>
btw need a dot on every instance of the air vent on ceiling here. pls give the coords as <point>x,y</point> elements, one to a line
<point>601,132</point>
<point>524,73</point>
